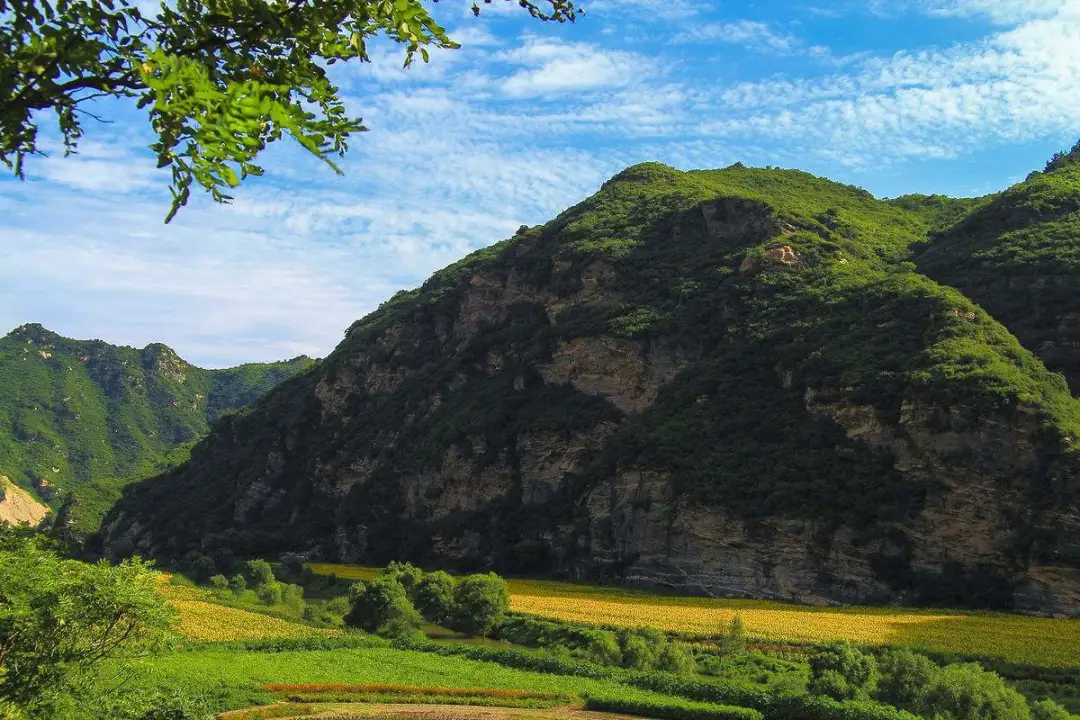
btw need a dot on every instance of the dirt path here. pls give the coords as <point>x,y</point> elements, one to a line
<point>368,711</point>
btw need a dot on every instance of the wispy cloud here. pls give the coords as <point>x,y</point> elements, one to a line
<point>746,33</point>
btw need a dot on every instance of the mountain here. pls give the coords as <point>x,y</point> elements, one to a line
<point>17,506</point>
<point>81,418</point>
<point>734,382</point>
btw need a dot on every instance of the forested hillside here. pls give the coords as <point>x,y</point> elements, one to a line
<point>736,381</point>
<point>80,418</point>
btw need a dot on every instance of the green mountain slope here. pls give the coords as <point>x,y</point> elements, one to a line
<point>732,381</point>
<point>76,414</point>
<point>1019,257</point>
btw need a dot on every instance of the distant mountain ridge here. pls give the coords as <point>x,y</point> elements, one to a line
<point>78,414</point>
<point>747,382</point>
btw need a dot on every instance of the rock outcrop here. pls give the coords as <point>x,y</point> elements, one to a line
<point>619,394</point>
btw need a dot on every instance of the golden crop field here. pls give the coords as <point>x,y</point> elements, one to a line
<point>1015,638</point>
<point>203,620</point>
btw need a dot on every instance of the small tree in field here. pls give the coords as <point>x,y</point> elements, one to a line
<point>480,601</point>
<point>734,643</point>
<point>434,596</point>
<point>237,583</point>
<point>843,671</point>
<point>382,606</point>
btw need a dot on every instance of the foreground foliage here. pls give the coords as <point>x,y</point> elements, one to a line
<point>61,619</point>
<point>221,80</point>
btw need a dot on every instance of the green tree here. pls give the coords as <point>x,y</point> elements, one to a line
<point>219,582</point>
<point>405,573</point>
<point>1049,710</point>
<point>966,691</point>
<point>637,652</point>
<point>382,606</point>
<point>676,658</point>
<point>219,79</point>
<point>734,643</point>
<point>434,596</point>
<point>906,678</point>
<point>60,618</point>
<point>270,593</point>
<point>843,671</point>
<point>480,601</point>
<point>260,573</point>
<point>237,583</point>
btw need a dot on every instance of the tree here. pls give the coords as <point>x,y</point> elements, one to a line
<point>434,596</point>
<point>480,601</point>
<point>260,573</point>
<point>237,583</point>
<point>219,582</point>
<point>734,643</point>
<point>843,671</point>
<point>676,658</point>
<point>966,691</point>
<point>405,573</point>
<point>1049,710</point>
<point>382,606</point>
<point>60,618</point>
<point>220,79</point>
<point>906,678</point>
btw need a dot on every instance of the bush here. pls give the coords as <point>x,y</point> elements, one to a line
<point>219,582</point>
<point>842,671</point>
<point>601,646</point>
<point>237,583</point>
<point>637,652</point>
<point>260,573</point>
<point>676,658</point>
<point>480,601</point>
<point>405,573</point>
<point>292,596</point>
<point>966,691</point>
<point>433,596</point>
<point>906,677</point>
<point>269,593</point>
<point>1049,710</point>
<point>381,606</point>
<point>670,708</point>
<point>734,643</point>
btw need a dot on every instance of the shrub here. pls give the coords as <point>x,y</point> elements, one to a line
<point>906,677</point>
<point>433,596</point>
<point>381,606</point>
<point>479,602</point>
<point>676,658</point>
<point>237,583</point>
<point>966,691</point>
<point>293,597</point>
<point>842,671</point>
<point>219,582</point>
<point>670,708</point>
<point>637,652</point>
<point>601,646</point>
<point>405,573</point>
<point>734,643</point>
<point>1049,710</point>
<point>260,573</point>
<point>269,593</point>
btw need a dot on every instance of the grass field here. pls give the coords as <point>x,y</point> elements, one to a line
<point>201,619</point>
<point>1014,638</point>
<point>233,679</point>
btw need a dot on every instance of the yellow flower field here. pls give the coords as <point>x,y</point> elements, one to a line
<point>203,620</point>
<point>1015,638</point>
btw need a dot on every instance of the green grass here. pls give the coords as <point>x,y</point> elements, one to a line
<point>231,678</point>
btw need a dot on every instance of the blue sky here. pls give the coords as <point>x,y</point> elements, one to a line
<point>962,97</point>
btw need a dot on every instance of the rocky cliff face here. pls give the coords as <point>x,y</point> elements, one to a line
<point>727,382</point>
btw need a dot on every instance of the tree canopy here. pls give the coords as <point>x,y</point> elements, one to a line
<point>220,79</point>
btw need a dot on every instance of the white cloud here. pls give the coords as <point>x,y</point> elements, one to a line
<point>747,33</point>
<point>999,11</point>
<point>556,67</point>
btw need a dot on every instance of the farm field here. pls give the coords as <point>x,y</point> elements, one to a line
<point>202,619</point>
<point>232,679</point>
<point>1013,638</point>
